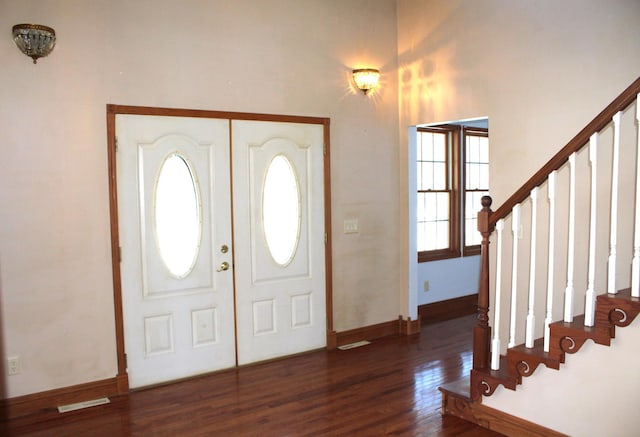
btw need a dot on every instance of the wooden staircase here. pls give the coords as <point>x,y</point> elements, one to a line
<point>566,338</point>
<point>617,306</point>
<point>463,398</point>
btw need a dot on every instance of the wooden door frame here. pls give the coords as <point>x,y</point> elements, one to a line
<point>122,378</point>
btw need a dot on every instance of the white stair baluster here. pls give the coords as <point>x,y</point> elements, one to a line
<point>569,291</point>
<point>611,277</point>
<point>590,297</point>
<point>551,189</point>
<point>495,342</point>
<point>530,326</point>
<point>635,265</point>
<point>515,231</point>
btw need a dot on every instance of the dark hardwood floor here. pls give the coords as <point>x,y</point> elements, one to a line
<point>389,387</point>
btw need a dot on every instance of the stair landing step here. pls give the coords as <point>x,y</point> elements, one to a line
<point>459,388</point>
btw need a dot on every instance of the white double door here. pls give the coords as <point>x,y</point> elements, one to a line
<point>222,259</point>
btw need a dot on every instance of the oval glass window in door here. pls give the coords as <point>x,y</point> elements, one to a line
<point>281,210</point>
<point>177,215</point>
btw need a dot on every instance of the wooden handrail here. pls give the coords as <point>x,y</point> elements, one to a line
<point>579,141</point>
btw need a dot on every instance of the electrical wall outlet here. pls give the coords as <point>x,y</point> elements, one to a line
<point>425,286</point>
<point>13,365</point>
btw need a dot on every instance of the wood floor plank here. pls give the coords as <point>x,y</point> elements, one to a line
<point>389,387</point>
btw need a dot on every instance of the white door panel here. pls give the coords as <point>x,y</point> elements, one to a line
<point>280,307</point>
<point>180,319</point>
<point>175,325</point>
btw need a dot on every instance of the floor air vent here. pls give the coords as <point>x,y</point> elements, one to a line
<point>345,347</point>
<point>81,405</point>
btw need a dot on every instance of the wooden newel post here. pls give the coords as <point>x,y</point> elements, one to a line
<point>482,331</point>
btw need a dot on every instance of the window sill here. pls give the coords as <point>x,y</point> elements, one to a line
<point>436,255</point>
<point>471,250</point>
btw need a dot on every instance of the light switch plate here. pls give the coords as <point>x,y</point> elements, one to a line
<point>351,226</point>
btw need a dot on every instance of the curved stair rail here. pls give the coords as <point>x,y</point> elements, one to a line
<point>565,244</point>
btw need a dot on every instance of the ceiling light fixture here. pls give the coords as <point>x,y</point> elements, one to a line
<point>34,40</point>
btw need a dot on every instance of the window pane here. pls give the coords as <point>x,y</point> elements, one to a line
<point>430,207</point>
<point>421,237</point>
<point>483,182</point>
<point>427,146</point>
<point>432,164</point>
<point>442,236</point>
<point>442,201</point>
<point>473,179</point>
<point>469,206</point>
<point>420,211</point>
<point>440,147</point>
<point>439,176</point>
<point>483,149</point>
<point>427,207</point>
<point>433,221</point>
<point>473,151</point>
<point>427,176</point>
<point>430,235</point>
<point>471,233</point>
<point>476,163</point>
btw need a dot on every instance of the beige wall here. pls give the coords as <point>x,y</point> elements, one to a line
<point>539,70</point>
<point>267,56</point>
<point>595,393</point>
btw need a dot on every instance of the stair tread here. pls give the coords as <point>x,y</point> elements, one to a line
<point>459,388</point>
<point>502,374</point>
<point>621,295</point>
<point>576,325</point>
<point>538,345</point>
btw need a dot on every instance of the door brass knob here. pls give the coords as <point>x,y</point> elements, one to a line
<point>223,267</point>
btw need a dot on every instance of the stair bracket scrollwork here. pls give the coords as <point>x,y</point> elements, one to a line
<point>623,317</point>
<point>619,310</point>
<point>484,387</point>
<point>486,383</point>
<point>570,345</point>
<point>524,369</point>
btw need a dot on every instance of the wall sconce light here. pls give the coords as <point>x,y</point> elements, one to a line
<point>34,40</point>
<point>366,79</point>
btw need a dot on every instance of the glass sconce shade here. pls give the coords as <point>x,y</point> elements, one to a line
<point>34,40</point>
<point>366,78</point>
